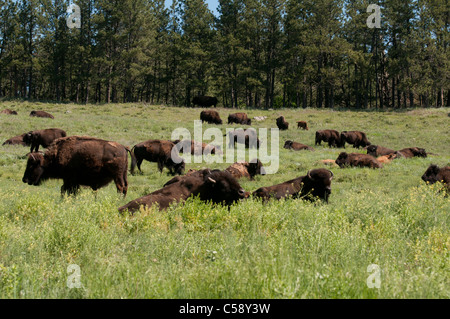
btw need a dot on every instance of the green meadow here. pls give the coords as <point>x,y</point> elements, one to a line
<point>289,249</point>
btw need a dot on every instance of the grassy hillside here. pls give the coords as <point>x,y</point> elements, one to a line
<point>286,249</point>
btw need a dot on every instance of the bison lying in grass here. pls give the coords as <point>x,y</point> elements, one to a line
<point>216,186</point>
<point>291,145</point>
<point>17,140</point>
<point>80,161</point>
<point>317,183</point>
<point>357,160</point>
<point>245,169</point>
<point>435,174</point>
<point>42,114</point>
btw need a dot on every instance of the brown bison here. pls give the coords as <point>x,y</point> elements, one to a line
<point>377,150</point>
<point>303,125</point>
<point>9,112</point>
<point>17,140</point>
<point>204,101</point>
<point>356,138</point>
<point>43,137</point>
<point>317,183</point>
<point>247,137</point>
<point>412,152</point>
<point>159,151</point>
<point>332,137</point>
<point>239,118</point>
<point>210,117</point>
<point>245,169</point>
<point>80,161</point>
<point>435,174</point>
<point>218,187</point>
<point>196,148</point>
<point>282,124</point>
<point>290,145</point>
<point>41,114</point>
<point>357,160</point>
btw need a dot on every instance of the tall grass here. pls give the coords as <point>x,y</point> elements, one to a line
<point>286,249</point>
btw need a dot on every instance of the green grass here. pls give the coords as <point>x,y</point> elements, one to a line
<point>286,249</point>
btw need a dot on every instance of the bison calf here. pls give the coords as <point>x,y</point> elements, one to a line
<point>317,183</point>
<point>43,137</point>
<point>357,160</point>
<point>80,161</point>
<point>377,150</point>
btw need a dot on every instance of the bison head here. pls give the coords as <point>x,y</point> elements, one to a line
<point>430,176</point>
<point>419,152</point>
<point>28,138</point>
<point>342,159</point>
<point>255,167</point>
<point>221,187</point>
<point>35,169</point>
<point>288,145</point>
<point>372,150</point>
<point>318,183</point>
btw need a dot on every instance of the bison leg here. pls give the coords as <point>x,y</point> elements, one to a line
<point>138,163</point>
<point>69,188</point>
<point>121,185</point>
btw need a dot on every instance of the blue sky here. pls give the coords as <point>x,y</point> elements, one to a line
<point>213,4</point>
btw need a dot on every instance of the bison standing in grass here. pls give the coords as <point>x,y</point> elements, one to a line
<point>205,101</point>
<point>332,137</point>
<point>218,187</point>
<point>43,137</point>
<point>41,114</point>
<point>239,118</point>
<point>80,161</point>
<point>356,138</point>
<point>357,160</point>
<point>435,174</point>
<point>317,183</point>
<point>248,137</point>
<point>210,117</point>
<point>159,151</point>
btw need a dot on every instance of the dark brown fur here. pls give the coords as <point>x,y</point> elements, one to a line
<point>248,137</point>
<point>356,138</point>
<point>80,161</point>
<point>17,140</point>
<point>290,145</point>
<point>435,174</point>
<point>357,160</point>
<point>159,151</point>
<point>413,152</point>
<point>239,118</point>
<point>41,114</point>
<point>377,150</point>
<point>282,124</point>
<point>317,183</point>
<point>211,117</point>
<point>302,125</point>
<point>332,137</point>
<point>43,138</point>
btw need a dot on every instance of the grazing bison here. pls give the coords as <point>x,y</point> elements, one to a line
<point>282,124</point>
<point>159,151</point>
<point>204,101</point>
<point>9,112</point>
<point>248,137</point>
<point>412,152</point>
<point>290,145</point>
<point>41,114</point>
<point>377,150</point>
<point>317,183</point>
<point>245,169</point>
<point>43,137</point>
<point>332,137</point>
<point>80,161</point>
<point>356,138</point>
<point>17,140</point>
<point>196,148</point>
<point>435,174</point>
<point>357,160</point>
<point>303,125</point>
<point>216,186</point>
<point>211,117</point>
<point>239,118</point>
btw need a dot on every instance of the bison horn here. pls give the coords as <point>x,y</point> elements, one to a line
<point>211,180</point>
<point>332,175</point>
<point>309,175</point>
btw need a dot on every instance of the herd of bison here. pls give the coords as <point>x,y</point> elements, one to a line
<point>88,161</point>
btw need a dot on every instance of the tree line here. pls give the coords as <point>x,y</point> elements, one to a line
<point>253,53</point>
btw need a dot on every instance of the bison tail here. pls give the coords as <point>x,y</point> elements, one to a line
<point>133,160</point>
